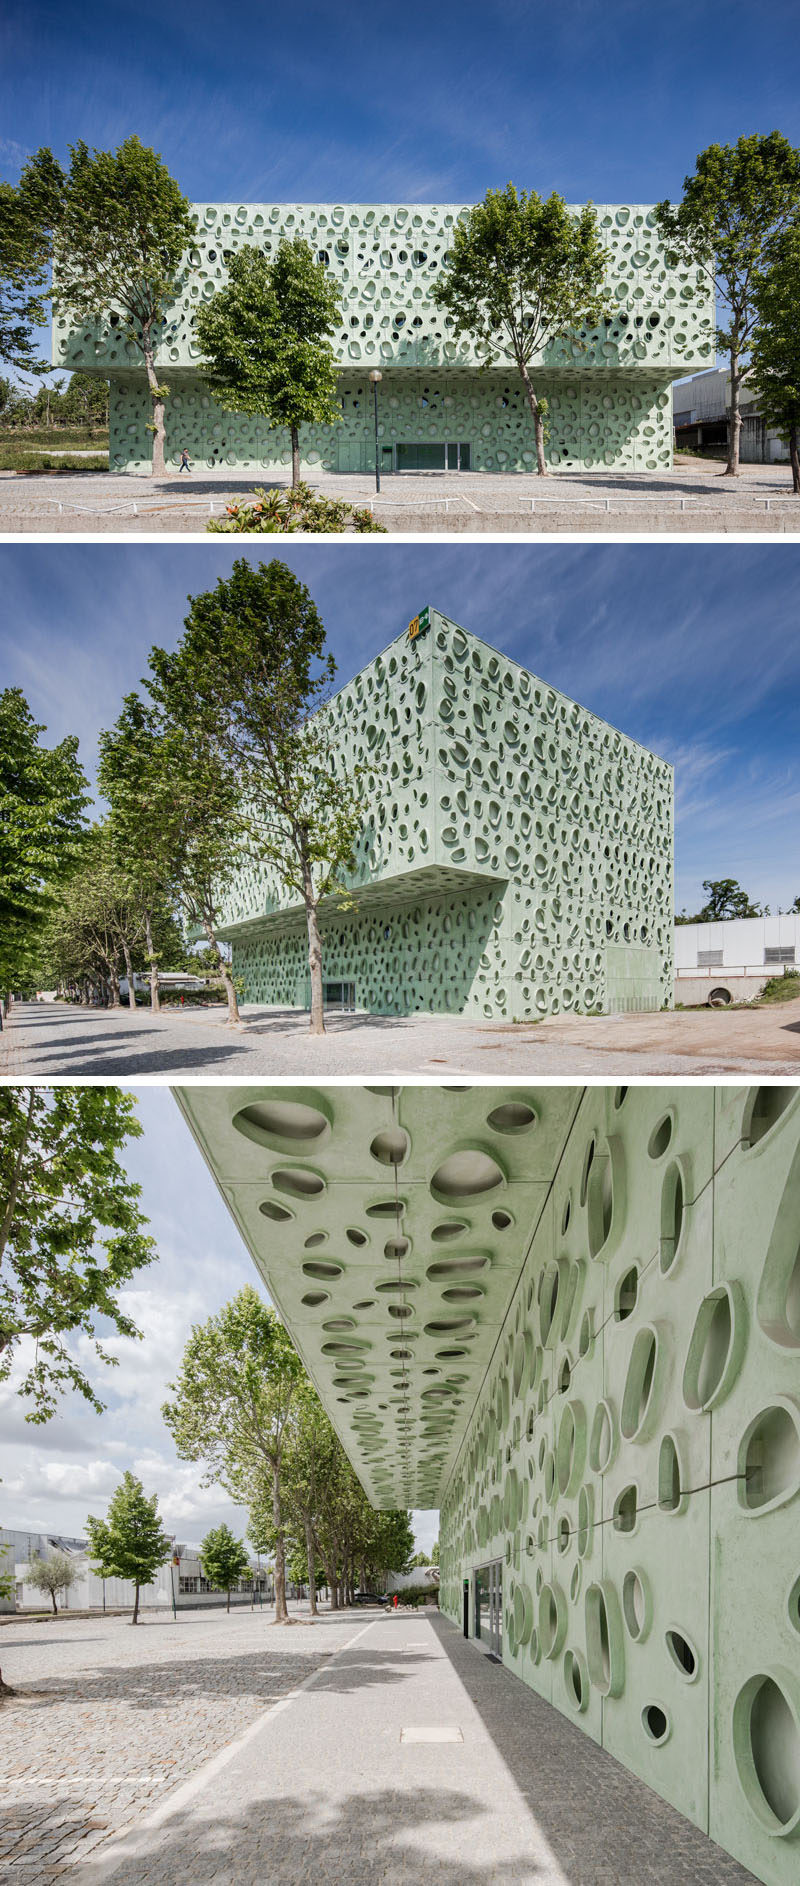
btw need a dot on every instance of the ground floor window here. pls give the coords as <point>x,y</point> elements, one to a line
<point>429,455</point>
<point>339,995</point>
<point>489,1606</point>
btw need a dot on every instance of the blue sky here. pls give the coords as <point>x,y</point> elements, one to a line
<point>54,1475</point>
<point>690,648</point>
<point>608,99</point>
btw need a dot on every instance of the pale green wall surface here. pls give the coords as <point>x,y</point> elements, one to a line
<point>571,1317</point>
<point>608,387</point>
<point>517,850</point>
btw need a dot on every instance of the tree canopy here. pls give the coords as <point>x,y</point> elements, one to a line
<point>71,1232</point>
<point>775,352</point>
<point>224,1559</point>
<point>53,1574</point>
<point>231,1406</point>
<point>523,272</point>
<point>740,197</point>
<point>43,796</point>
<point>265,338</point>
<point>123,230</point>
<point>130,1542</point>
<point>28,212</point>
<point>724,898</point>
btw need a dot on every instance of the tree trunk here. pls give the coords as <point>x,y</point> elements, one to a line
<point>129,973</point>
<point>155,998</point>
<point>312,1568</point>
<point>157,467</point>
<point>135,1618</point>
<point>228,1605</point>
<point>735,424</point>
<point>234,1017</point>
<point>53,1603</point>
<point>295,456</point>
<point>538,422</point>
<point>114,991</point>
<point>794,455</point>
<point>281,1613</point>
<point>316,1025</point>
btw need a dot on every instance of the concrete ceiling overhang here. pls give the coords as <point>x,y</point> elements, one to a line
<point>389,1226</point>
<point>397,887</point>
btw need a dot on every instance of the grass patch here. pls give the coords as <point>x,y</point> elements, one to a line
<point>44,450</point>
<point>781,988</point>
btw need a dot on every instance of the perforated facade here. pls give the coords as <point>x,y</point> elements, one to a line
<point>515,857</point>
<point>608,389</point>
<point>572,1319</point>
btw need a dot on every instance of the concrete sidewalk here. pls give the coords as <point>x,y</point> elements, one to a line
<point>411,1757</point>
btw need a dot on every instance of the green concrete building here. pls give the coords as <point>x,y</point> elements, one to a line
<point>515,858</point>
<point>609,389</point>
<point>570,1318</point>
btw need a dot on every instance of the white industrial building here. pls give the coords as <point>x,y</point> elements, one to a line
<point>179,1581</point>
<point>701,412</point>
<point>730,961</point>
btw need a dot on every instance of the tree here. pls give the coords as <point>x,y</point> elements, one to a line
<point>775,351</point>
<point>71,1231</point>
<point>435,1552</point>
<point>308,1460</point>
<point>123,229</point>
<point>130,1542</point>
<point>55,1573</point>
<point>739,199</point>
<point>27,215</point>
<point>521,274</point>
<point>7,1579</point>
<point>725,898</point>
<point>265,340</point>
<point>253,671</point>
<point>232,1402</point>
<point>43,793</point>
<point>224,1559</point>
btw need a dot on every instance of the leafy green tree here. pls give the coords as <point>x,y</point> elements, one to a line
<point>739,199</point>
<point>309,1459</point>
<point>71,1231</point>
<point>265,338</point>
<point>224,1559</point>
<point>27,214</point>
<point>725,898</point>
<point>521,274</point>
<point>102,920</point>
<point>7,1580</point>
<point>130,1542</point>
<point>775,352</point>
<point>53,1574</point>
<point>253,670</point>
<point>43,794</point>
<point>231,1409</point>
<point>435,1552</point>
<point>122,232</point>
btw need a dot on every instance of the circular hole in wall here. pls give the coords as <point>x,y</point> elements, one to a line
<point>397,1247</point>
<point>266,1121</point>
<point>466,1175</point>
<point>672,1216</point>
<point>390,1147</point>
<point>452,1228</point>
<point>639,1383</point>
<point>501,1220</point>
<point>769,1458</point>
<point>298,1182</point>
<point>313,1298</point>
<point>669,1476</point>
<point>794,1605</point>
<point>764,1109</point>
<point>625,1509</point>
<point>575,1680</point>
<point>319,1269</point>
<point>655,1723</point>
<point>713,1355</point>
<point>271,1209</point>
<point>626,1294</point>
<point>683,1654</point>
<point>660,1137</point>
<point>316,1239</point>
<point>514,1116</point>
<point>635,1604</point>
<point>602,1438</point>
<point>587,1167</point>
<point>355,1237</point>
<point>766,1742</point>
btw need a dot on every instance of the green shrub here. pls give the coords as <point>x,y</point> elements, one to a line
<point>296,509</point>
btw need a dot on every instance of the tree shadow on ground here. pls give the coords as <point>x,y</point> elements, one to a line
<point>259,1673</point>
<point>602,1822</point>
<point>105,1060</point>
<point>389,1835</point>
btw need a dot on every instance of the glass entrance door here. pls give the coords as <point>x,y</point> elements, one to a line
<point>489,1606</point>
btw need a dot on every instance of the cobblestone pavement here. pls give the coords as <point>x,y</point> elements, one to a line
<point>693,496</point>
<point>45,1039</point>
<point>108,1720</point>
<point>334,1791</point>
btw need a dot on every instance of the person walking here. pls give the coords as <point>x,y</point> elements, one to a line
<point>184,464</point>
